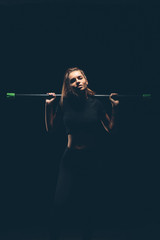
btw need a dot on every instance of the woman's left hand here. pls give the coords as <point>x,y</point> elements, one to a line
<point>113,102</point>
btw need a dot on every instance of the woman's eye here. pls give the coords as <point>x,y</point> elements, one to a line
<point>72,80</point>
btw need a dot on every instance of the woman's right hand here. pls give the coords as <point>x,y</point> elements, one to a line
<point>51,100</point>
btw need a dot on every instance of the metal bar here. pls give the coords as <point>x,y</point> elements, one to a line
<point>45,95</point>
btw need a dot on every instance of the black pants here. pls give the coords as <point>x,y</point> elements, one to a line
<point>77,192</point>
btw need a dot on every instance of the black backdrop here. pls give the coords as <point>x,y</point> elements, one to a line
<point>117,45</point>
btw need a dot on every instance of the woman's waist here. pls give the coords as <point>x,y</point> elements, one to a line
<point>86,158</point>
<point>82,141</point>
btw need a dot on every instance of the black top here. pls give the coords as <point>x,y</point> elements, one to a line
<point>80,116</point>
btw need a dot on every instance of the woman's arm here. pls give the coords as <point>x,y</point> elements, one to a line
<point>49,112</point>
<point>114,104</point>
<point>109,123</point>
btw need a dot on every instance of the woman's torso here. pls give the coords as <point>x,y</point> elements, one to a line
<point>82,121</point>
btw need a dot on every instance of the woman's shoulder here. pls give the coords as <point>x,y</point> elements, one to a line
<point>99,103</point>
<point>93,99</point>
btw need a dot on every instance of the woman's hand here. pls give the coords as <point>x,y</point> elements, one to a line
<point>113,102</point>
<point>51,100</point>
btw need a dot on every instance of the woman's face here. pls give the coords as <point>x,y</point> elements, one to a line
<point>77,81</point>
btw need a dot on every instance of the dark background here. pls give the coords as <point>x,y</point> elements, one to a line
<point>116,43</point>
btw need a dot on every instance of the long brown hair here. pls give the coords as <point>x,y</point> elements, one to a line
<point>66,89</point>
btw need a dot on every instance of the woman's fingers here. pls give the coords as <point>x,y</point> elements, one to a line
<point>51,99</point>
<point>114,102</point>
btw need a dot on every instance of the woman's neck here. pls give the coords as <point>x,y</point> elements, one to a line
<point>82,95</point>
<point>78,101</point>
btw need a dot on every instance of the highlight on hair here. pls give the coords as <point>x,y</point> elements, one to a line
<point>66,89</point>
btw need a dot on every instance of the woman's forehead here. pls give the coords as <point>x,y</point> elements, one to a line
<point>75,74</point>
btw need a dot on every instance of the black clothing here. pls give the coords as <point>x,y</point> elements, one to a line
<point>79,180</point>
<point>78,192</point>
<point>81,116</point>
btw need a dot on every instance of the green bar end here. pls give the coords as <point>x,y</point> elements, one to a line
<point>147,95</point>
<point>8,95</point>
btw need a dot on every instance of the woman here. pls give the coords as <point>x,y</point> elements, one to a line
<point>83,117</point>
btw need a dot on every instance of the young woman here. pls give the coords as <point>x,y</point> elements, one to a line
<point>83,117</point>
